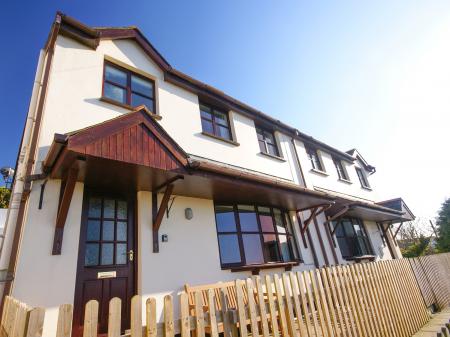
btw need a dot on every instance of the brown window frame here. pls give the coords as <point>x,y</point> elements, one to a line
<point>352,242</point>
<point>310,151</point>
<point>262,131</point>
<point>294,251</point>
<point>342,173</point>
<point>214,122</point>
<point>362,178</point>
<point>127,87</point>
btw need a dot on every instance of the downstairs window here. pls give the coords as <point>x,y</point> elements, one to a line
<point>352,238</point>
<point>254,235</point>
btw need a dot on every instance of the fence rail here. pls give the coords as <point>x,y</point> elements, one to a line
<point>380,299</point>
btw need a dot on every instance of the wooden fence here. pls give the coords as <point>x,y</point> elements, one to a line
<point>380,299</point>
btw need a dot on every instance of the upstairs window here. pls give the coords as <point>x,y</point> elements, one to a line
<point>254,235</point>
<point>342,173</point>
<point>267,143</point>
<point>123,86</point>
<point>215,122</point>
<point>362,178</point>
<point>352,238</point>
<point>314,159</point>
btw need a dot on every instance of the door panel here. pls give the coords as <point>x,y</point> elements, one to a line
<point>105,258</point>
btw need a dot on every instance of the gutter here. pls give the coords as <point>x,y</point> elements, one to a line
<point>31,137</point>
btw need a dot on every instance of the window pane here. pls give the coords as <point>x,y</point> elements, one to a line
<point>252,248</point>
<point>121,253</point>
<point>109,207</point>
<point>223,132</point>
<point>142,86</point>
<point>229,249</point>
<point>272,149</point>
<point>285,248</point>
<point>95,207</point>
<point>279,221</point>
<point>294,247</point>
<point>345,250</point>
<point>91,257</point>
<point>206,114</point>
<point>247,219</point>
<point>339,229</point>
<point>121,231</point>
<point>108,231</point>
<point>271,248</point>
<point>141,100</point>
<point>207,126</point>
<point>221,118</point>
<point>265,218</point>
<point>93,230</point>
<point>348,227</point>
<point>122,210</point>
<point>115,75</point>
<point>116,93</point>
<point>262,146</point>
<point>225,219</point>
<point>107,253</point>
<point>259,134</point>
<point>269,138</point>
<point>205,108</point>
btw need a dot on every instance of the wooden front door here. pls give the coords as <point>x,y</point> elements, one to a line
<point>106,258</point>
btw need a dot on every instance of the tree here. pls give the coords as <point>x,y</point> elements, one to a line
<point>418,248</point>
<point>5,194</point>
<point>443,227</point>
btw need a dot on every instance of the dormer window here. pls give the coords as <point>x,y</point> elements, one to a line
<point>362,178</point>
<point>342,173</point>
<point>267,143</point>
<point>125,87</point>
<point>215,122</point>
<point>313,157</point>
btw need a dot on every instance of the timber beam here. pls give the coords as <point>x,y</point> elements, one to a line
<point>315,211</point>
<point>336,217</point>
<point>63,208</point>
<point>158,214</point>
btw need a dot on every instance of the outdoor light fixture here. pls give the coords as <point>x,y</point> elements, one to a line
<point>188,214</point>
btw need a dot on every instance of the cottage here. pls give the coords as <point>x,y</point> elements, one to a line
<point>135,178</point>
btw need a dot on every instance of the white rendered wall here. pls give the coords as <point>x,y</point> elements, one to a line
<point>43,279</point>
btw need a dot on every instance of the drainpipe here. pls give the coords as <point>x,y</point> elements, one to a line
<point>25,165</point>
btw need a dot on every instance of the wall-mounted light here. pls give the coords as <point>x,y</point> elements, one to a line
<point>188,213</point>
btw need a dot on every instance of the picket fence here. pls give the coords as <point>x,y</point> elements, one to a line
<point>379,299</point>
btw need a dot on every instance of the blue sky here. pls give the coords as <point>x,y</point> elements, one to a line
<point>370,75</point>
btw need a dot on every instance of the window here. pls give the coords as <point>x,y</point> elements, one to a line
<point>215,122</point>
<point>254,235</point>
<point>123,86</point>
<point>362,178</point>
<point>352,238</point>
<point>266,140</point>
<point>340,169</point>
<point>314,159</point>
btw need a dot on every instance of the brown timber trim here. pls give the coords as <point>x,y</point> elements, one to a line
<point>159,215</point>
<point>30,163</point>
<point>255,269</point>
<point>388,241</point>
<point>322,245</point>
<point>63,209</point>
<point>331,242</point>
<point>301,232</point>
<point>308,234</point>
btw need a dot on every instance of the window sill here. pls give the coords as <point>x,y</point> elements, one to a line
<point>361,258</point>
<point>319,172</point>
<point>255,268</point>
<point>366,188</point>
<point>232,142</point>
<point>345,181</point>
<point>125,106</point>
<point>273,156</point>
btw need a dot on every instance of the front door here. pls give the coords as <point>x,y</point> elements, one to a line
<point>105,258</point>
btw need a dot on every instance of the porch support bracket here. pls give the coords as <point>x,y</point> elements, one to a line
<point>398,229</point>
<point>158,214</point>
<point>63,209</point>
<point>337,216</point>
<point>315,211</point>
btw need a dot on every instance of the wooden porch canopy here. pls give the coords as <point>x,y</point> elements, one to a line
<point>134,153</point>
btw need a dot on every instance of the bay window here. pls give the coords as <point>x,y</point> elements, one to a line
<point>254,235</point>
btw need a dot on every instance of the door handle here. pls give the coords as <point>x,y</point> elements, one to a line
<point>130,254</point>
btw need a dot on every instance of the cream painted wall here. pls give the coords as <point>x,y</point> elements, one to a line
<point>43,279</point>
<point>73,103</point>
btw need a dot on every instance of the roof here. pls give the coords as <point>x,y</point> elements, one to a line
<point>91,36</point>
<point>355,154</point>
<point>398,204</point>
